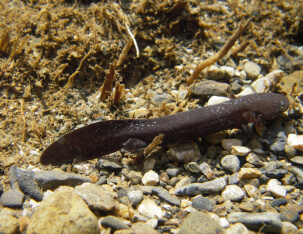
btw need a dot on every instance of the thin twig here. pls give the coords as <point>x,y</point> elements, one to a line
<point>220,54</point>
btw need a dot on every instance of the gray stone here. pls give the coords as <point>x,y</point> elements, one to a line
<point>203,203</point>
<point>213,186</point>
<point>53,179</point>
<point>172,172</point>
<point>135,195</point>
<point>159,98</point>
<point>200,222</point>
<point>109,164</point>
<point>113,223</point>
<point>63,212</point>
<point>209,88</point>
<point>252,70</point>
<point>25,181</point>
<point>97,197</point>
<point>231,163</point>
<point>263,222</point>
<point>298,173</point>
<point>165,195</point>
<point>275,138</point>
<point>12,198</point>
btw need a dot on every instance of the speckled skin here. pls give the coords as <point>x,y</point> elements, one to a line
<point>101,138</point>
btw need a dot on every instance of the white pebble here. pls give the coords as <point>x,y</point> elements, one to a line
<point>233,193</point>
<point>214,100</point>
<point>150,178</point>
<point>274,186</point>
<point>149,208</point>
<point>240,150</point>
<point>295,141</point>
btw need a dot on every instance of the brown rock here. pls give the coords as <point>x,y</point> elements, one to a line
<point>63,212</point>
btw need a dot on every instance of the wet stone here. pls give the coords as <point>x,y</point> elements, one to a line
<point>230,163</point>
<point>12,198</point>
<point>159,98</point>
<point>97,197</point>
<point>213,186</point>
<point>233,193</point>
<point>8,222</point>
<point>135,195</point>
<point>203,203</point>
<point>165,195</point>
<point>297,160</point>
<point>26,182</point>
<point>238,228</point>
<point>298,173</point>
<point>50,180</point>
<point>209,88</point>
<point>109,165</point>
<point>278,202</point>
<point>276,174</point>
<point>63,212</point>
<point>289,215</point>
<point>252,70</point>
<point>141,227</point>
<point>150,178</point>
<point>268,221</point>
<point>172,172</point>
<point>113,223</point>
<point>275,138</point>
<point>274,186</point>
<point>199,222</point>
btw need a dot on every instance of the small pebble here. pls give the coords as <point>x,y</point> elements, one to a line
<point>149,209</point>
<point>251,190</point>
<point>172,172</point>
<point>215,185</point>
<point>207,171</point>
<point>135,195</point>
<point>203,203</point>
<point>199,222</point>
<point>159,98</point>
<point>297,160</point>
<point>192,167</point>
<point>295,141</point>
<point>150,178</point>
<point>12,198</point>
<point>228,143</point>
<point>249,173</point>
<point>252,70</point>
<point>274,186</point>
<point>113,223</point>
<point>233,193</point>
<point>237,228</point>
<point>209,88</point>
<point>240,150</point>
<point>278,202</point>
<point>289,215</point>
<point>288,227</point>
<point>97,197</point>
<point>268,221</point>
<point>109,165</point>
<point>50,180</point>
<point>184,153</point>
<point>254,159</point>
<point>230,163</point>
